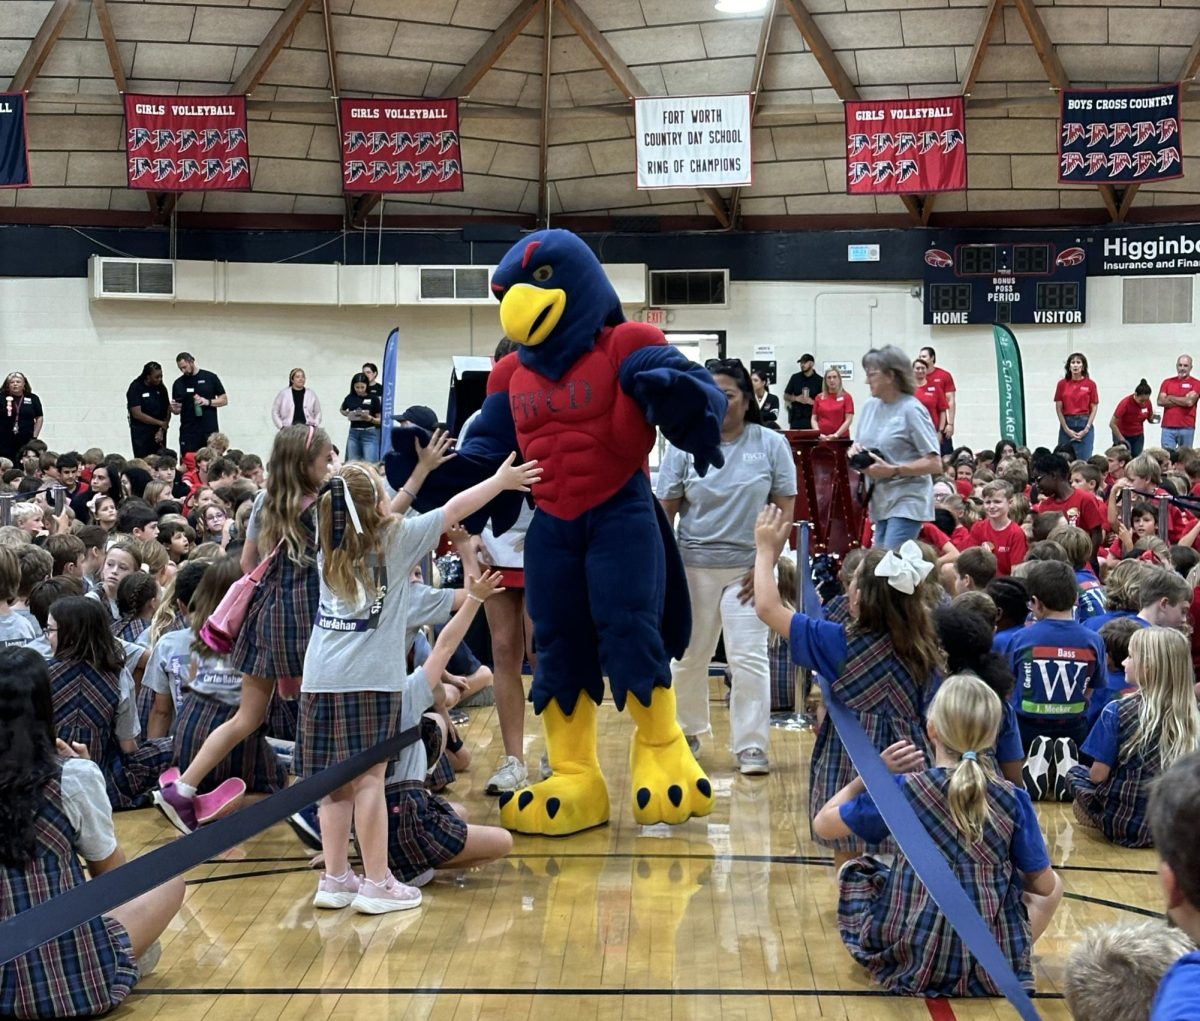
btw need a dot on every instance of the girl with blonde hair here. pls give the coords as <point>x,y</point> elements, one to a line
<point>986,829</point>
<point>1138,737</point>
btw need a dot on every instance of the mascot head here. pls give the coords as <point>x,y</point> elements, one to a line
<point>554,300</point>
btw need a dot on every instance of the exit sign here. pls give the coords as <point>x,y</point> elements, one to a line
<point>656,316</point>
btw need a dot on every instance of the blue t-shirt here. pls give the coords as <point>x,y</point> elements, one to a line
<point>1028,848</point>
<point>1055,663</point>
<point>1099,620</point>
<point>1003,639</point>
<point>1116,687</point>
<point>1178,997</point>
<point>818,645</point>
<point>1008,741</point>
<point>1091,595</point>
<point>1104,741</point>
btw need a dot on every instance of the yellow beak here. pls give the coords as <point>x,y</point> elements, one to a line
<point>529,314</point>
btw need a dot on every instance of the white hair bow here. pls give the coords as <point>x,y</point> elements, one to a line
<point>906,570</point>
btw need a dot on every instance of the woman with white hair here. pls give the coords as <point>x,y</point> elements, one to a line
<point>896,431</point>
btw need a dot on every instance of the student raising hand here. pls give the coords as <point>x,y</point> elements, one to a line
<point>484,587</point>
<point>518,476</point>
<point>771,531</point>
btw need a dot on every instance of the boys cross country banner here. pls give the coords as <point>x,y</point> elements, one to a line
<point>1118,136</point>
<point>187,143</point>
<point>693,142</point>
<point>400,145</point>
<point>14,152</point>
<point>897,146</point>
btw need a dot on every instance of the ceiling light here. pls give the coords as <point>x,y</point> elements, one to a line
<point>741,6</point>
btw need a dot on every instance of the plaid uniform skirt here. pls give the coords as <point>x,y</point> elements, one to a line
<point>283,714</point>
<point>279,621</point>
<point>131,777</point>
<point>253,760</point>
<point>145,703</point>
<point>337,725</point>
<point>423,830</point>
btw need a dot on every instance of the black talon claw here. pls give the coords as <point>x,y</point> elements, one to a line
<point>675,794</point>
<point>643,797</point>
<point>525,798</point>
<point>704,787</point>
<point>552,806</point>
<point>505,798</point>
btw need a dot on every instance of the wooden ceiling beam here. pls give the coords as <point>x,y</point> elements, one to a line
<point>261,59</point>
<point>543,196</point>
<point>760,63</point>
<point>986,30</point>
<point>627,82</point>
<point>1042,44</point>
<point>463,82</point>
<point>104,20</point>
<point>39,49</point>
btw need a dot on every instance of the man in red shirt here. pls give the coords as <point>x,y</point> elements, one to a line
<point>1050,474</point>
<point>946,381</point>
<point>1178,396</point>
<point>931,395</point>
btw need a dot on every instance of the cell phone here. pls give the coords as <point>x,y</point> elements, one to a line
<point>60,498</point>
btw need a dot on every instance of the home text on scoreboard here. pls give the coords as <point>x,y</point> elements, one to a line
<point>1030,282</point>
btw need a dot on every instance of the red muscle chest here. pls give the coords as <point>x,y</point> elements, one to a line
<point>587,434</point>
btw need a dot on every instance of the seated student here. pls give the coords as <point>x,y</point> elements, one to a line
<point>1117,457</point>
<point>426,832</point>
<point>837,609</point>
<point>137,520</point>
<point>179,538</point>
<point>137,599</point>
<point>94,701</point>
<point>1114,971</point>
<point>57,813</point>
<point>1078,548</point>
<point>251,467</point>
<point>986,829</point>
<point>1175,828</point>
<point>1183,559</point>
<point>95,545</point>
<point>1138,737</point>
<point>1051,474</point>
<point>1088,479</point>
<point>1122,592</point>
<point>997,533</point>
<point>67,553</point>
<point>121,560</point>
<point>1012,610</point>
<point>966,637</point>
<point>15,629</point>
<point>1115,635</point>
<point>1165,599</point>
<point>36,565</point>
<point>1143,523</point>
<point>960,518</point>
<point>973,569</point>
<point>1057,663</point>
<point>1143,475</point>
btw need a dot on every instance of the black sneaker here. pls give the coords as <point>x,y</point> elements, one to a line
<point>307,826</point>
<point>1066,756</point>
<point>1036,771</point>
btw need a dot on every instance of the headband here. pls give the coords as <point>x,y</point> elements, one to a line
<point>905,571</point>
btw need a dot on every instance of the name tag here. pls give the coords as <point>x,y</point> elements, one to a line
<point>190,390</point>
<point>145,395</point>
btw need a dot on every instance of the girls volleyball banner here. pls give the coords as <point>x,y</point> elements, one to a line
<point>898,146</point>
<point>400,145</point>
<point>187,143</point>
<point>14,149</point>
<point>1117,136</point>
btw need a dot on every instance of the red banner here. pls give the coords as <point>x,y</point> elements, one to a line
<point>187,143</point>
<point>901,146</point>
<point>400,145</point>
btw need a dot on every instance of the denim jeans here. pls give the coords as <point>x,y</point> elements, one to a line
<point>362,445</point>
<point>1134,443</point>
<point>1083,447</point>
<point>891,533</point>
<point>1172,438</point>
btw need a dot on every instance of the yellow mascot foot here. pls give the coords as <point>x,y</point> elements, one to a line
<point>576,797</point>
<point>668,783</point>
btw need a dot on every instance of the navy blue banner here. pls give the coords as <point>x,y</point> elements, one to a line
<point>1120,136</point>
<point>14,157</point>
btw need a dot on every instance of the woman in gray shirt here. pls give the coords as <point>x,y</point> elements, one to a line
<point>895,427</point>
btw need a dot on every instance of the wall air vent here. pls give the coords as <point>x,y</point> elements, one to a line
<point>676,288</point>
<point>455,284</point>
<point>139,279</point>
<point>1156,299</point>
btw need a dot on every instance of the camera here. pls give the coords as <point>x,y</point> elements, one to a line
<point>863,459</point>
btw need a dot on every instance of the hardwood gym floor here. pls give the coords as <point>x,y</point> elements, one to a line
<point>728,917</point>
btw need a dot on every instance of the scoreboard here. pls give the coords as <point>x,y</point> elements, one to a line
<point>1020,282</point>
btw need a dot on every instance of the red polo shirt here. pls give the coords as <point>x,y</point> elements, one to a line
<point>1077,395</point>
<point>1080,509</point>
<point>830,411</point>
<point>1131,416</point>
<point>934,399</point>
<point>1176,417</point>
<point>941,378</point>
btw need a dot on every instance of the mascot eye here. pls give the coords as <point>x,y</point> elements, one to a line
<point>543,273</point>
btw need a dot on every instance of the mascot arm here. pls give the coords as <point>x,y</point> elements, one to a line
<point>493,437</point>
<point>680,398</point>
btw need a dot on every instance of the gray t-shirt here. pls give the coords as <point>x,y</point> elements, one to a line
<point>358,645</point>
<point>175,668</point>
<point>717,513</point>
<point>427,605</point>
<point>17,630</point>
<point>412,763</point>
<point>85,803</point>
<point>902,431</point>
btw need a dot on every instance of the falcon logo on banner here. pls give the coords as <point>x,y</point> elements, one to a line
<point>1120,136</point>
<point>400,145</point>
<point>14,152</point>
<point>898,146</point>
<point>187,143</point>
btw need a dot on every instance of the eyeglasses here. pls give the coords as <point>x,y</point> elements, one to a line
<point>726,366</point>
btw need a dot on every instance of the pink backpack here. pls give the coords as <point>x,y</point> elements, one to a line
<point>221,630</point>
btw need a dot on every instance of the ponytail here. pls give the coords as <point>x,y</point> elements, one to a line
<point>966,716</point>
<point>967,796</point>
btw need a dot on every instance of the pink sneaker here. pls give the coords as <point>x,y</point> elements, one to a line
<point>336,892</point>
<point>380,898</point>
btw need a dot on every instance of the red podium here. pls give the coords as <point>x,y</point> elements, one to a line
<point>825,491</point>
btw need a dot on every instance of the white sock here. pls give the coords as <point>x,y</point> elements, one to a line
<point>186,789</point>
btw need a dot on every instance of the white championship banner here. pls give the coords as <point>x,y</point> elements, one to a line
<point>693,141</point>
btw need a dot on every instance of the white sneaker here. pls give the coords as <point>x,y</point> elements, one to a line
<point>380,898</point>
<point>511,776</point>
<point>335,892</point>
<point>693,742</point>
<point>753,762</point>
<point>544,767</point>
